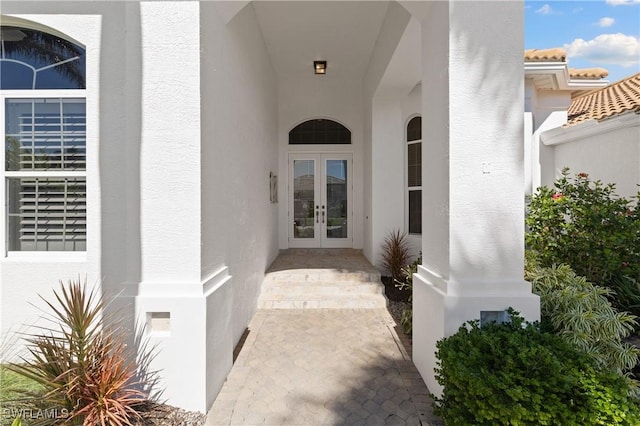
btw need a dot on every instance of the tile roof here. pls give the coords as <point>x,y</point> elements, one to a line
<point>545,55</point>
<point>588,73</point>
<point>617,98</point>
<point>558,54</point>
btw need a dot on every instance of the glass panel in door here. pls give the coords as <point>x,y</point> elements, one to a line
<point>336,199</point>
<point>304,180</point>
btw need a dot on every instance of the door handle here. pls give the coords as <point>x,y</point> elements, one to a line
<point>322,216</point>
<point>317,213</point>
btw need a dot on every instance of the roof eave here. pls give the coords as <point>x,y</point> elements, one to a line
<point>589,128</point>
<point>560,78</point>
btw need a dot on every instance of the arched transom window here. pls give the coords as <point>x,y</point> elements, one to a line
<point>31,59</point>
<point>414,175</point>
<point>319,131</point>
<point>42,82</point>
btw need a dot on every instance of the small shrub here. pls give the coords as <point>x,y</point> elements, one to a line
<point>395,253</point>
<point>514,374</point>
<point>584,224</point>
<point>580,313</point>
<point>406,321</point>
<point>82,362</point>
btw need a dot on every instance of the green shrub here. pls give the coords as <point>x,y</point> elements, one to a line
<point>579,312</point>
<point>584,224</point>
<point>395,253</point>
<point>514,374</point>
<point>82,363</point>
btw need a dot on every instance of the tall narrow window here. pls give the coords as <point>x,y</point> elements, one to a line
<point>45,141</point>
<point>414,175</point>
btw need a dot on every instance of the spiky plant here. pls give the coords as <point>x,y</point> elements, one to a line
<point>82,362</point>
<point>395,253</point>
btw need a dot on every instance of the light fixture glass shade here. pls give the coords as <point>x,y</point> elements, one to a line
<point>320,67</point>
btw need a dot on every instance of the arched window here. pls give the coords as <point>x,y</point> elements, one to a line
<point>44,129</point>
<point>414,175</point>
<point>31,59</point>
<point>319,131</point>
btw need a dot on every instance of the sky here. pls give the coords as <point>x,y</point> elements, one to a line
<point>596,33</point>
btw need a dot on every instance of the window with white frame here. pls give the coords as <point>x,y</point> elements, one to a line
<point>44,122</point>
<point>414,175</point>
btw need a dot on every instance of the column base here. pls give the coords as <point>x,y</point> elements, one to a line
<point>439,310</point>
<point>190,327</point>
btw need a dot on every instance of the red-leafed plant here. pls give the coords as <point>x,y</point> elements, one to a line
<point>83,363</point>
<point>395,253</point>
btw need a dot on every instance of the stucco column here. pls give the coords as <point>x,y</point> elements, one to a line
<point>473,192</point>
<point>173,299</point>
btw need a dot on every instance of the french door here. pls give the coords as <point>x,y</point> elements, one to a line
<point>320,208</point>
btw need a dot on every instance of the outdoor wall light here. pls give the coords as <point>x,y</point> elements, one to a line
<point>320,67</point>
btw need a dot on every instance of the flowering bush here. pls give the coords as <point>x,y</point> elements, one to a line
<point>583,223</point>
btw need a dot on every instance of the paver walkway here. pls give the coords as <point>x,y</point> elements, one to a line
<point>323,367</point>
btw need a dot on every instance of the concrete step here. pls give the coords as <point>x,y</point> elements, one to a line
<point>287,289</point>
<point>361,301</point>
<point>322,275</point>
<point>322,289</point>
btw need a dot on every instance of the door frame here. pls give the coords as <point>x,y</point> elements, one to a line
<point>320,239</point>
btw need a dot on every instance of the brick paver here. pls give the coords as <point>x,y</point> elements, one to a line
<point>323,367</point>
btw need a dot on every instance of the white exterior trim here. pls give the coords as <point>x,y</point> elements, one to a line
<point>558,72</point>
<point>589,128</point>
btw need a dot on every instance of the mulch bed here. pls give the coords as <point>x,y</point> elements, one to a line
<point>398,302</point>
<point>155,414</point>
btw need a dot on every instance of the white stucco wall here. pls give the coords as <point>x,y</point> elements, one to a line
<point>393,97</point>
<point>225,237</point>
<point>608,151</point>
<point>239,150</point>
<point>391,32</point>
<point>547,109</point>
<point>170,142</point>
<point>389,170</point>
<point>387,163</point>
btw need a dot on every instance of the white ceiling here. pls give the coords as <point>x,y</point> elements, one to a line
<point>341,32</point>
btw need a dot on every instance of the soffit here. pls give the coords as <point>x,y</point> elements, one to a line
<point>341,32</point>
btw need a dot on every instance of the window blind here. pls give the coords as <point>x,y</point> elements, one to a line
<point>48,214</point>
